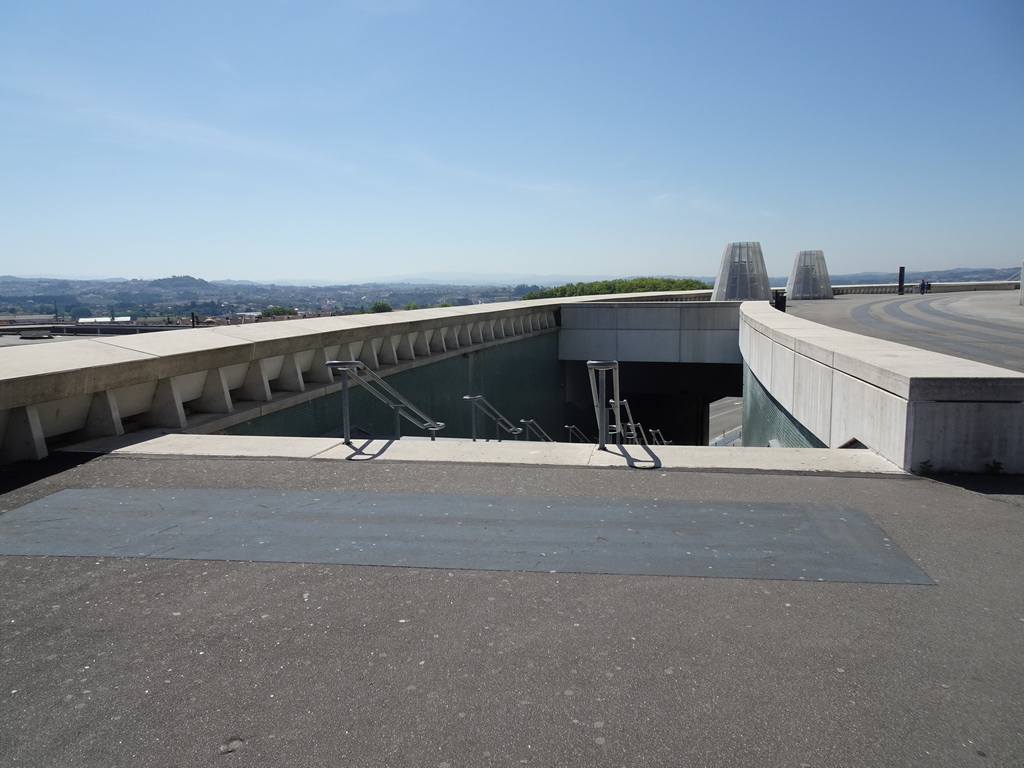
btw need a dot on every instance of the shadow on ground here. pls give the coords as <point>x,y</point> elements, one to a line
<point>14,476</point>
<point>1007,488</point>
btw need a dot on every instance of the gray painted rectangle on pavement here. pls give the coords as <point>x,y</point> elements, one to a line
<point>815,542</point>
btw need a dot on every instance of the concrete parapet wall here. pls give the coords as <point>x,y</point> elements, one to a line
<point>1001,285</point>
<point>102,386</point>
<point>654,332</point>
<point>197,379</point>
<point>916,408</point>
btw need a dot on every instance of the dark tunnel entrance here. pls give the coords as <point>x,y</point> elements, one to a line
<point>671,397</point>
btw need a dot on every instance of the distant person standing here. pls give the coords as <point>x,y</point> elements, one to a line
<point>922,286</point>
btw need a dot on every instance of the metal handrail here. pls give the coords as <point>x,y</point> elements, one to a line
<point>602,405</point>
<point>657,438</point>
<point>479,402</point>
<point>376,386</point>
<point>574,431</point>
<point>532,425</point>
<point>636,433</point>
<point>630,430</point>
<point>627,428</point>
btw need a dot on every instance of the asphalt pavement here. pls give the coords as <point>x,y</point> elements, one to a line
<point>986,326</point>
<point>174,661</point>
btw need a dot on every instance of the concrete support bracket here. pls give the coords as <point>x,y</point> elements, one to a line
<point>104,419</point>
<point>23,438</point>
<point>256,386</point>
<point>290,379</point>
<point>216,397</point>
<point>166,410</point>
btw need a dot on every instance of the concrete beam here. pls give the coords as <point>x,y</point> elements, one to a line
<point>651,332</point>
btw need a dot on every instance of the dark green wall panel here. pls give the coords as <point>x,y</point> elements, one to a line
<point>764,419</point>
<point>522,379</point>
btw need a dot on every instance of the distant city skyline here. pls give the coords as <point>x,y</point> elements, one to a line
<point>367,139</point>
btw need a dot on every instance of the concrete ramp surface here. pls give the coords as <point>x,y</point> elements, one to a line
<point>813,542</point>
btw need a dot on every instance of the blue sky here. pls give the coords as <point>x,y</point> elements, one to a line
<point>358,139</point>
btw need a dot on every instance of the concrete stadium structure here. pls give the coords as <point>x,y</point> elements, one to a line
<point>916,409</point>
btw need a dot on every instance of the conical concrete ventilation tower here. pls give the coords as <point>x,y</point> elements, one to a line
<point>741,275</point>
<point>809,277</point>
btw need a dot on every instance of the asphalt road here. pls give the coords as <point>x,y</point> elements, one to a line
<point>725,419</point>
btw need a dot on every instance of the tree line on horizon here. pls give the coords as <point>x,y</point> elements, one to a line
<point>633,285</point>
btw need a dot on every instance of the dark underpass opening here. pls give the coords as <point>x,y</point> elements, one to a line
<point>671,397</point>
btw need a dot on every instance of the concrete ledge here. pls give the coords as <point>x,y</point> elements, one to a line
<point>914,407</point>
<point>444,450</point>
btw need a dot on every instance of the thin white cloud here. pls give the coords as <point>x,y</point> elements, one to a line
<point>430,163</point>
<point>111,121</point>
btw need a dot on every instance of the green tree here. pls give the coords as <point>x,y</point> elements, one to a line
<point>634,285</point>
<point>379,306</point>
<point>278,311</point>
<point>411,305</point>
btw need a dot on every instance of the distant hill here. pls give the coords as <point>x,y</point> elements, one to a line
<point>178,281</point>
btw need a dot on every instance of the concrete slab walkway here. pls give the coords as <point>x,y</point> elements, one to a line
<point>520,452</point>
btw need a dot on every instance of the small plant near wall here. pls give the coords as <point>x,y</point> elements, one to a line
<point>995,468</point>
<point>925,467</point>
